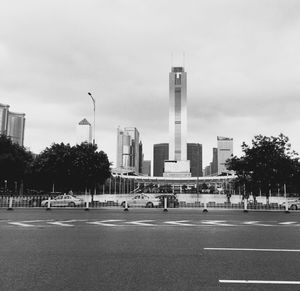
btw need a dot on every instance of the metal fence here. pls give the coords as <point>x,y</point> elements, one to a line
<point>11,202</point>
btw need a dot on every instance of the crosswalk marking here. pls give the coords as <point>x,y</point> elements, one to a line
<point>141,222</point>
<point>288,222</point>
<point>22,224</point>
<point>180,222</point>
<point>61,223</point>
<point>150,222</point>
<point>257,223</point>
<point>105,222</point>
<point>217,222</point>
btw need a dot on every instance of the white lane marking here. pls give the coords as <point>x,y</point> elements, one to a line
<point>41,220</point>
<point>255,250</point>
<point>180,222</point>
<point>22,224</point>
<point>288,222</point>
<point>256,223</point>
<point>260,282</point>
<point>142,222</point>
<point>104,222</point>
<point>60,223</point>
<point>217,222</point>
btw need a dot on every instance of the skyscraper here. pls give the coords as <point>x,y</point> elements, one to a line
<point>3,118</point>
<point>84,132</point>
<point>128,149</point>
<point>214,163</point>
<point>194,155</point>
<point>177,165</point>
<point>16,127</point>
<point>225,150</point>
<point>177,114</point>
<point>160,155</point>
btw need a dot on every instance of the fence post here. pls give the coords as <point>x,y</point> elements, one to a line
<point>205,207</point>
<point>245,204</point>
<point>86,201</point>
<point>126,206</point>
<point>49,203</point>
<point>10,203</point>
<point>286,202</point>
<point>165,204</point>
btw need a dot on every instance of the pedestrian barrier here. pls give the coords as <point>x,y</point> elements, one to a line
<point>12,202</point>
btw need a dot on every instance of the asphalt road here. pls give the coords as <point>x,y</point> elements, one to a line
<point>148,249</point>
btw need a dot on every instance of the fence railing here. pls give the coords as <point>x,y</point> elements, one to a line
<point>43,201</point>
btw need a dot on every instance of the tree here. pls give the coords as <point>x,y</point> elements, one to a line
<point>71,168</point>
<point>268,162</point>
<point>15,162</point>
<point>90,168</point>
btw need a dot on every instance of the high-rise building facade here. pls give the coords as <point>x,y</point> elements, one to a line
<point>194,155</point>
<point>84,132</point>
<point>146,168</point>
<point>178,165</point>
<point>128,149</point>
<point>16,127</point>
<point>225,151</point>
<point>214,163</point>
<point>4,109</point>
<point>161,154</point>
<point>177,114</point>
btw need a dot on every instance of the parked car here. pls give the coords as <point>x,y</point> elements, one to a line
<point>63,200</point>
<point>172,201</point>
<point>142,200</point>
<point>293,204</point>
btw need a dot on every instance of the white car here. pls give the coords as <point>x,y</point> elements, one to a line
<point>293,203</point>
<point>142,200</point>
<point>63,200</point>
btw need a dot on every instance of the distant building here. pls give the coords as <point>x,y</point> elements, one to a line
<point>12,124</point>
<point>128,149</point>
<point>146,168</point>
<point>3,118</point>
<point>16,127</point>
<point>161,154</point>
<point>84,132</point>
<point>194,155</point>
<point>214,163</point>
<point>207,171</point>
<point>225,151</point>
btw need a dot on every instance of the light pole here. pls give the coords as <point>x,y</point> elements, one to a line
<point>94,103</point>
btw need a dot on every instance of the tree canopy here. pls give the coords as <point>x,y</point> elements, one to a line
<point>15,161</point>
<point>269,162</point>
<point>77,167</point>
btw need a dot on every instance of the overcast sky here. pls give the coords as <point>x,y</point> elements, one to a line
<point>242,60</point>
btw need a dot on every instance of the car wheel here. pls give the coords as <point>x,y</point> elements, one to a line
<point>294,207</point>
<point>149,205</point>
<point>72,204</point>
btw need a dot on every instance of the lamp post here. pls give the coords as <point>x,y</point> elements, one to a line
<point>94,103</point>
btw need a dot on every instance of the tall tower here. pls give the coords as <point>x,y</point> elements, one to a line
<point>177,165</point>
<point>177,114</point>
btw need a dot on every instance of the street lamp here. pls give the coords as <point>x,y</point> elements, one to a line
<point>94,102</point>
